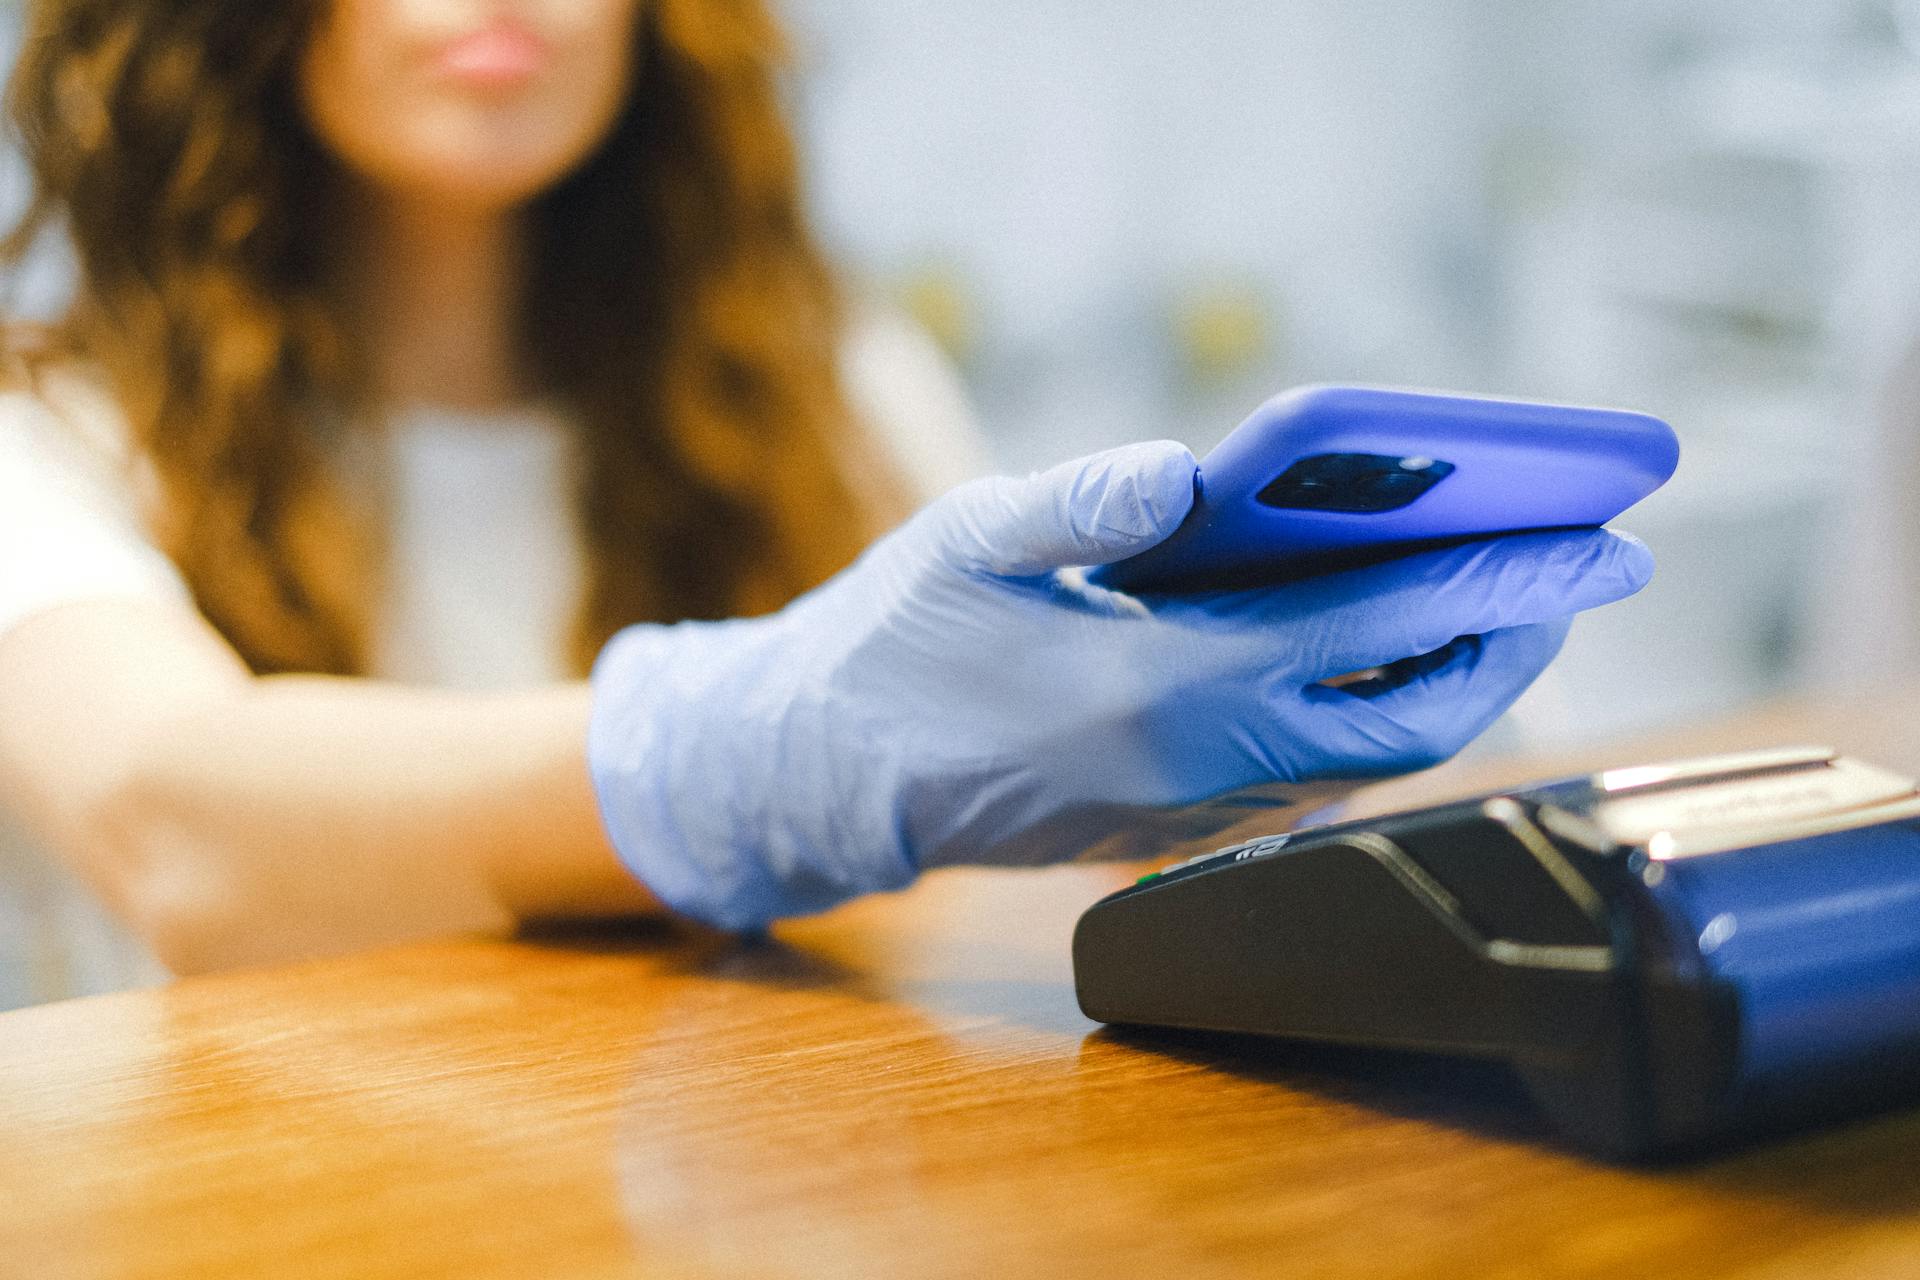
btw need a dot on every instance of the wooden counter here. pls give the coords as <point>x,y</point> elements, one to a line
<point>904,1088</point>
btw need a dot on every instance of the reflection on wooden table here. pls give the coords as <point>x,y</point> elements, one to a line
<point>902,1088</point>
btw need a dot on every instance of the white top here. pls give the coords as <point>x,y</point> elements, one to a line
<point>484,579</point>
<point>485,572</point>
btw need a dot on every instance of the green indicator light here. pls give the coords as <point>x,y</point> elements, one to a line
<point>1151,875</point>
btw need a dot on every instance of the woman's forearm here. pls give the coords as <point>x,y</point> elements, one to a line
<point>315,815</point>
<point>236,820</point>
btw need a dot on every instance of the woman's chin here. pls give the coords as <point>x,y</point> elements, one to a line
<point>470,188</point>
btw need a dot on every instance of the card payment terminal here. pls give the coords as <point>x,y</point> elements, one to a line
<point>1666,954</point>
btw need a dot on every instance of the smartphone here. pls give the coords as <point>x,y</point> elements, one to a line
<point>1324,478</point>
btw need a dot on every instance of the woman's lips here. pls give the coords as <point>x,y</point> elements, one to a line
<point>501,55</point>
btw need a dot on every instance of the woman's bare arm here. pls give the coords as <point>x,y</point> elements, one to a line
<point>232,819</point>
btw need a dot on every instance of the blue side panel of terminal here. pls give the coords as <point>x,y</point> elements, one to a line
<point>1821,939</point>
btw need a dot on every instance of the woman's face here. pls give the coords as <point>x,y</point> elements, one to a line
<point>477,103</point>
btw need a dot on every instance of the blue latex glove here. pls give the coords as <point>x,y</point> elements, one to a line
<point>954,697</point>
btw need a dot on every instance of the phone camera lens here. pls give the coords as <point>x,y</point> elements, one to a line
<point>1395,483</point>
<point>1355,483</point>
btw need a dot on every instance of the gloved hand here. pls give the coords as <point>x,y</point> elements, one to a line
<point>955,697</point>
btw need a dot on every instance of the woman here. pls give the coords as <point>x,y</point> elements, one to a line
<point>437,342</point>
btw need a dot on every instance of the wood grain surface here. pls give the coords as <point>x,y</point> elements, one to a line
<point>904,1088</point>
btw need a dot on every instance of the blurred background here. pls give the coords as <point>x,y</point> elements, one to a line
<point>1144,223</point>
<point>1143,219</point>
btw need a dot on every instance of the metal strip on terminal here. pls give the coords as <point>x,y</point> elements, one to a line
<point>1513,818</point>
<point>1639,777</point>
<point>1435,897</point>
<point>1574,828</point>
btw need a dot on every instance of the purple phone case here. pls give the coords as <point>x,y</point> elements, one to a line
<point>1516,466</point>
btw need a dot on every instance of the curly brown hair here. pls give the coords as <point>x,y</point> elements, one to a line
<point>165,136</point>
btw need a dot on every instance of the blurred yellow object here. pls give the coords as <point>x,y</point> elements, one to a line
<point>1222,331</point>
<point>938,301</point>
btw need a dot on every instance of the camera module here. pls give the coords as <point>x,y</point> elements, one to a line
<point>1358,483</point>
